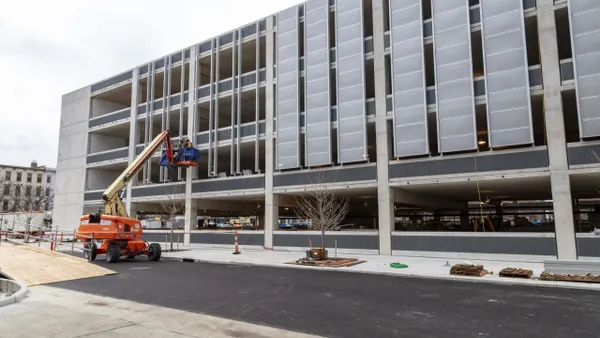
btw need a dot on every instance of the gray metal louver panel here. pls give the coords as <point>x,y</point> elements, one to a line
<point>409,90</point>
<point>350,59</point>
<point>318,117</point>
<point>506,73</point>
<point>585,39</point>
<point>454,76</point>
<point>288,105</point>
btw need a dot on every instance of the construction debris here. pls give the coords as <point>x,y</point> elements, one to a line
<point>330,263</point>
<point>586,278</point>
<point>516,273</point>
<point>32,265</point>
<point>468,270</point>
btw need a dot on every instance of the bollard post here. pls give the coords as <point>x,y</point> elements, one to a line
<point>56,238</point>
<point>91,248</point>
<point>336,248</point>
<point>73,242</point>
<point>52,241</point>
<point>237,251</point>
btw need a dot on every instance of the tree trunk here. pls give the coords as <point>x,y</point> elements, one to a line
<point>323,239</point>
<point>171,236</point>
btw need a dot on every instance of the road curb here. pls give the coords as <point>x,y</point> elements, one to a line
<point>19,291</point>
<point>466,279</point>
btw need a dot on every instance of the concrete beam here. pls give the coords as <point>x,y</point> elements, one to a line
<point>424,200</point>
<point>225,205</point>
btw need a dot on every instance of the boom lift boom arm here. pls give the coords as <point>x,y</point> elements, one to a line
<point>113,204</point>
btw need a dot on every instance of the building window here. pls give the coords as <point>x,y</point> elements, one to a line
<point>38,191</point>
<point>8,176</point>
<point>5,206</point>
<point>6,189</point>
<point>39,178</point>
<point>17,191</point>
<point>47,192</point>
<point>29,178</point>
<point>19,177</point>
<point>28,191</point>
<point>48,179</point>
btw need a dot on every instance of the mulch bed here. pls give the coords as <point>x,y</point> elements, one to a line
<point>564,277</point>
<point>468,270</point>
<point>516,273</point>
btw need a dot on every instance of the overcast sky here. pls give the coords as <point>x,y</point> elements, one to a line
<point>49,48</point>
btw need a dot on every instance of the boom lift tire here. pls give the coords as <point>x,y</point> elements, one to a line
<point>93,252</point>
<point>113,253</point>
<point>154,252</point>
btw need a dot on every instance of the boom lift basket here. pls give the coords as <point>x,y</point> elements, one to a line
<point>188,157</point>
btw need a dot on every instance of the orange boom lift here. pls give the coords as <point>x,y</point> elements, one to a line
<point>120,234</point>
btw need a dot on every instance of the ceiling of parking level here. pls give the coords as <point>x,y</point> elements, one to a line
<point>120,94</point>
<point>526,188</point>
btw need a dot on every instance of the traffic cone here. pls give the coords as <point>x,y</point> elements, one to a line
<point>237,251</point>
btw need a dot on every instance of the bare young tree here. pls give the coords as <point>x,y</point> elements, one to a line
<point>5,197</point>
<point>173,205</point>
<point>5,193</point>
<point>323,206</point>
<point>29,205</point>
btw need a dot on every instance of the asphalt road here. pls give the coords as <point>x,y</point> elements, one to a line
<point>338,304</point>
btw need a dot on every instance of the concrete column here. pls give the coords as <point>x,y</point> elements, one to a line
<point>464,219</point>
<point>555,132</point>
<point>191,219</point>
<point>133,209</point>
<point>192,106</point>
<point>191,206</point>
<point>437,216</point>
<point>577,215</point>
<point>133,133</point>
<point>271,200</point>
<point>271,217</point>
<point>385,195</point>
<point>500,218</point>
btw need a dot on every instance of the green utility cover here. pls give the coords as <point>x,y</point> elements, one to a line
<point>398,265</point>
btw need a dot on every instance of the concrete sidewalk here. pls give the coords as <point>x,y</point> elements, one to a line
<point>53,312</point>
<point>375,264</point>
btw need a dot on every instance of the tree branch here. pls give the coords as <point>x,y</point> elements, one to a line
<point>322,205</point>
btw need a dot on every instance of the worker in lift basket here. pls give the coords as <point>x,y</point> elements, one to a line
<point>177,151</point>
